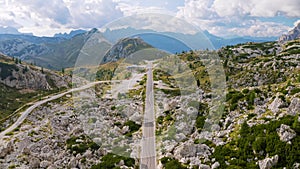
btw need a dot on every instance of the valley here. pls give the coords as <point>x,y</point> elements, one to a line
<point>235,107</point>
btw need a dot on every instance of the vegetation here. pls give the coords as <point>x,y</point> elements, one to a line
<point>79,145</point>
<point>133,127</point>
<point>111,161</point>
<point>169,163</point>
<point>262,139</point>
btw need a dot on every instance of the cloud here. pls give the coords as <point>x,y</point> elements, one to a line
<point>44,17</point>
<point>55,10</point>
<point>198,9</point>
<point>93,13</point>
<point>238,17</point>
<point>225,18</point>
<point>261,8</point>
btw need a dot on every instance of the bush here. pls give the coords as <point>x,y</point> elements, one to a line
<point>110,160</point>
<point>200,121</point>
<point>81,147</point>
<point>171,163</point>
<point>263,138</point>
<point>133,127</point>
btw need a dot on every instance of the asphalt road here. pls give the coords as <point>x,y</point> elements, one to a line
<point>148,153</point>
<point>35,105</point>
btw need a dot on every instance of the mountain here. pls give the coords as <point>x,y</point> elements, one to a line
<point>219,42</point>
<point>70,35</point>
<point>173,42</point>
<point>124,48</point>
<point>49,52</point>
<point>11,30</point>
<point>63,50</point>
<point>291,35</point>
<point>165,43</point>
<point>60,52</point>
<point>21,83</point>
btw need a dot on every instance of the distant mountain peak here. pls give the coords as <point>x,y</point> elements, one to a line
<point>292,34</point>
<point>69,35</point>
<point>124,48</point>
<point>11,30</point>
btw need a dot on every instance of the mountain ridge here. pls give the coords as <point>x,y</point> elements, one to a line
<point>291,35</point>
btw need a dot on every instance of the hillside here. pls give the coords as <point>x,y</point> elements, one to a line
<point>124,48</point>
<point>62,50</point>
<point>48,52</point>
<point>21,83</point>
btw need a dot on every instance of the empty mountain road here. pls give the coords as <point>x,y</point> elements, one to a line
<point>148,153</point>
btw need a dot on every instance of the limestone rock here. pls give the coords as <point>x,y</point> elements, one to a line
<point>292,35</point>
<point>286,133</point>
<point>215,165</point>
<point>204,166</point>
<point>45,164</point>
<point>294,107</point>
<point>185,150</point>
<point>274,106</point>
<point>268,163</point>
<point>7,149</point>
<point>34,162</point>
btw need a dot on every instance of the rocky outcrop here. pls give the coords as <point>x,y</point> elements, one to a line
<point>292,35</point>
<point>286,133</point>
<point>294,107</point>
<point>189,149</point>
<point>215,165</point>
<point>21,76</point>
<point>124,48</point>
<point>204,166</point>
<point>268,163</point>
<point>274,106</point>
<point>6,149</point>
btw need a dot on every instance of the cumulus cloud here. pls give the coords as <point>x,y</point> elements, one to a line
<point>93,13</point>
<point>48,17</point>
<point>55,10</point>
<point>239,17</point>
<point>261,8</point>
<point>225,18</point>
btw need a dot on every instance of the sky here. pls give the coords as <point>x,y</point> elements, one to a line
<point>225,18</point>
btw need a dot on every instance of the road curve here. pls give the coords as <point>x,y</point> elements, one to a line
<point>35,105</point>
<point>148,153</point>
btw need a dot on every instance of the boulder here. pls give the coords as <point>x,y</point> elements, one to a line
<point>204,166</point>
<point>294,107</point>
<point>34,162</point>
<point>285,133</point>
<point>45,164</point>
<point>6,149</point>
<point>203,150</point>
<point>268,162</point>
<point>274,106</point>
<point>296,166</point>
<point>185,150</point>
<point>215,165</point>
